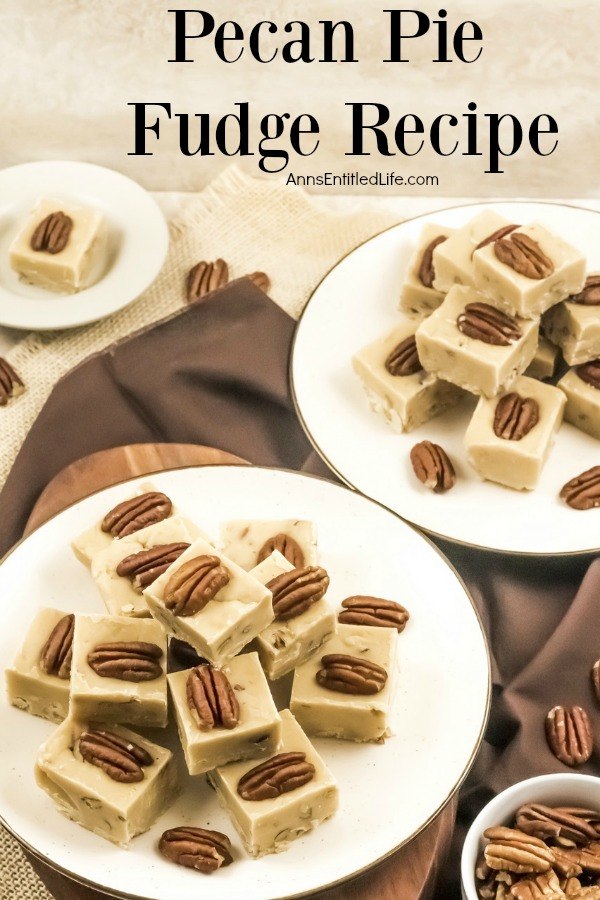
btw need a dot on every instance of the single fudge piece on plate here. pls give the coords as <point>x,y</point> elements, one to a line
<point>207,600</point>
<point>453,259</point>
<point>418,296</point>
<point>277,800</point>
<point>528,271</point>
<point>118,670</point>
<point>396,383</point>
<point>248,542</point>
<point>289,642</point>
<point>348,692</point>
<point>510,436</point>
<point>106,778</point>
<point>224,715</point>
<point>581,387</point>
<point>575,324</point>
<point>472,344</point>
<point>40,677</point>
<point>544,363</point>
<point>60,247</point>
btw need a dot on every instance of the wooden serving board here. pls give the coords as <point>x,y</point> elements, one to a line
<point>409,874</point>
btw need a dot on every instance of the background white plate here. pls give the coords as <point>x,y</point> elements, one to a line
<point>388,792</point>
<point>137,243</point>
<point>358,302</point>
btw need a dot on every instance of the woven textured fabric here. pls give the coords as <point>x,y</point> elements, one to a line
<point>18,881</point>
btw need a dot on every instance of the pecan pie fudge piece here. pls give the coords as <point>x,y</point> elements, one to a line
<point>418,296</point>
<point>510,436</point>
<point>106,778</point>
<point>581,387</point>
<point>453,259</point>
<point>575,324</point>
<point>39,679</point>
<point>276,801</point>
<point>348,691</point>
<point>60,247</point>
<point>118,670</point>
<point>528,270</point>
<point>224,715</point>
<point>472,344</point>
<point>544,363</point>
<point>248,542</point>
<point>207,600</point>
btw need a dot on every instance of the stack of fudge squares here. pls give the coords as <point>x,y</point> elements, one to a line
<point>239,613</point>
<point>489,308</point>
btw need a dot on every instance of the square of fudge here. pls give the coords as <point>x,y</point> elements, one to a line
<point>516,463</point>
<point>519,294</point>
<point>122,593</point>
<point>544,363</point>
<point>113,698</point>
<point>77,265</point>
<point>283,645</point>
<point>418,296</point>
<point>453,260</point>
<point>270,825</point>
<point>239,611</point>
<point>247,542</point>
<point>405,401</point>
<point>84,792</point>
<point>575,327</point>
<point>471,363</point>
<point>583,402</point>
<point>28,684</point>
<point>323,712</point>
<point>257,732</point>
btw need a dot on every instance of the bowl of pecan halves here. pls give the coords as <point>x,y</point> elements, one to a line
<point>537,840</point>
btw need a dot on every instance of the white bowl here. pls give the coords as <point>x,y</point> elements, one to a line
<point>552,790</point>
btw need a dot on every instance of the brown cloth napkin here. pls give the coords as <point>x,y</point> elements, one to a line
<point>217,374</point>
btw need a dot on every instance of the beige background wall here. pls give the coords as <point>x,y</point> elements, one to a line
<point>69,67</point>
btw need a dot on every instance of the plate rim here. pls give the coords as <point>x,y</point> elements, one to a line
<point>120,895</point>
<point>530,554</point>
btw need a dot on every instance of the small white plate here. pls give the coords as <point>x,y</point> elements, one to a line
<point>356,303</point>
<point>138,240</point>
<point>388,792</point>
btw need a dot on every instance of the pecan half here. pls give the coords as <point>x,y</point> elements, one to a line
<point>545,886</point>
<point>55,657</point>
<point>126,660</point>
<point>205,277</point>
<point>583,491</point>
<point>569,734</point>
<point>514,851</point>
<point>52,234</point>
<point>196,848</point>
<point>211,698</point>
<point>596,679</point>
<point>426,269</point>
<point>351,675</point>
<point>10,383</point>
<point>261,280</point>
<point>584,858</point>
<point>279,775</point>
<point>145,567</point>
<point>590,293</point>
<point>515,416</point>
<point>138,512</point>
<point>194,584</point>
<point>590,373</point>
<point>294,592</point>
<point>432,466</point>
<point>122,760</point>
<point>496,236</point>
<point>404,359</point>
<point>524,255</point>
<point>483,322</point>
<point>560,824</point>
<point>361,610</point>
<point>286,545</point>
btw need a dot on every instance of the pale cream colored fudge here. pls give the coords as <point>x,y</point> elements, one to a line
<point>405,401</point>
<point>473,364</point>
<point>576,329</point>
<point>29,687</point>
<point>583,403</point>
<point>544,363</point>
<point>416,298</point>
<point>239,611</point>
<point>257,733</point>
<point>75,267</point>
<point>530,297</point>
<point>242,540</point>
<point>453,260</point>
<point>269,826</point>
<point>117,591</point>
<point>105,699</point>
<point>517,464</point>
<point>323,712</point>
<point>83,792</point>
